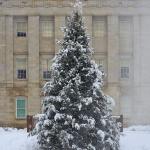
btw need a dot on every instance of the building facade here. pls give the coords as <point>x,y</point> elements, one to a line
<point>120,36</point>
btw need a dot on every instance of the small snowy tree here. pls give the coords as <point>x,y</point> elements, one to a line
<point>76,113</point>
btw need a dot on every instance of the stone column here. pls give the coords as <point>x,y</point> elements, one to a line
<point>9,51</point>
<point>113,61</point>
<point>2,50</point>
<point>59,22</point>
<point>3,101</point>
<point>137,72</point>
<point>33,65</point>
<point>136,49</point>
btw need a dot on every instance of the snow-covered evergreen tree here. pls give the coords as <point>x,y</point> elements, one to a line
<point>76,113</point>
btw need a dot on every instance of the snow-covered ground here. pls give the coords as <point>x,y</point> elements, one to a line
<point>13,139</point>
<point>136,138</point>
<point>133,138</point>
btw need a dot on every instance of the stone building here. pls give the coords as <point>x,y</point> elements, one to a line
<point>120,35</point>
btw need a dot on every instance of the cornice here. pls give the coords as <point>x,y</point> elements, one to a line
<point>69,3</point>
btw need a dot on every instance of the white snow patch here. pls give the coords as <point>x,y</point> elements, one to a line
<point>79,106</point>
<point>47,122</point>
<point>13,139</point>
<point>91,147</point>
<point>110,102</point>
<point>91,121</point>
<point>77,126</point>
<point>133,138</point>
<point>78,6</point>
<point>139,128</point>
<point>101,134</point>
<point>103,121</point>
<point>69,117</point>
<point>87,100</point>
<point>58,116</point>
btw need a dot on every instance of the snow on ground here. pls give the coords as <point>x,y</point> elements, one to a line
<point>13,139</point>
<point>133,138</point>
<point>136,138</point>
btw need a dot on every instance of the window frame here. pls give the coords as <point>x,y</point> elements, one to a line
<point>126,71</point>
<point>45,66</point>
<point>25,99</point>
<point>21,76</point>
<point>17,60</point>
<point>101,61</point>
<point>23,34</point>
<point>99,22</point>
<point>47,73</point>
<point>44,32</point>
<point>126,34</point>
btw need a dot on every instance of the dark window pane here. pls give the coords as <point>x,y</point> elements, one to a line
<point>21,34</point>
<point>46,74</point>
<point>21,74</point>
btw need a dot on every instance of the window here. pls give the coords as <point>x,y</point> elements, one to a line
<point>21,108</point>
<point>47,28</point>
<point>21,29</point>
<point>125,72</point>
<point>99,26</point>
<point>99,34</point>
<point>21,74</point>
<point>21,65</point>
<point>46,73</point>
<point>102,66</point>
<point>126,34</point>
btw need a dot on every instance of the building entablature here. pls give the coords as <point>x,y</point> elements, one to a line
<point>68,3</point>
<point>91,7</point>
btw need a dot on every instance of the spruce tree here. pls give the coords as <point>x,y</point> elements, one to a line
<point>76,113</point>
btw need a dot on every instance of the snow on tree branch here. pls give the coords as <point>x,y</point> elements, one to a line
<point>78,6</point>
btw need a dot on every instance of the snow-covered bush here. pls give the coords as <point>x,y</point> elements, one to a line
<point>76,113</point>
